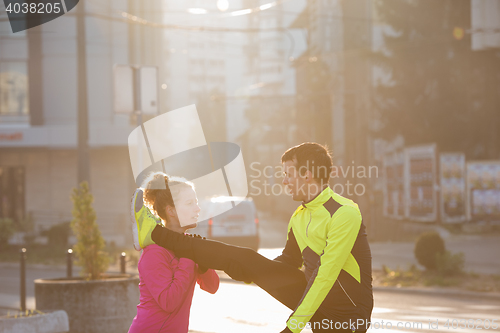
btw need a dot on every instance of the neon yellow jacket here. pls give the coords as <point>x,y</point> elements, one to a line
<point>328,235</point>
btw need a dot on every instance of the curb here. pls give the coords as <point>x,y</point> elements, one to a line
<point>56,321</point>
<point>440,292</point>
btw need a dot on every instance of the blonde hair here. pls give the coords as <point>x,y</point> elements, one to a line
<point>160,190</point>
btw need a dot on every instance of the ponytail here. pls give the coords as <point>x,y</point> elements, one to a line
<point>158,188</point>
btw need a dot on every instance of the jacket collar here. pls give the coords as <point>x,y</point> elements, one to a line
<point>319,199</point>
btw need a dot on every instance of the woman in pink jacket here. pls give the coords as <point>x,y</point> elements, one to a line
<point>167,282</point>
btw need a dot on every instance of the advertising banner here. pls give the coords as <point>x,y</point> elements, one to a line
<point>394,185</point>
<point>420,183</point>
<point>453,194</point>
<point>483,190</point>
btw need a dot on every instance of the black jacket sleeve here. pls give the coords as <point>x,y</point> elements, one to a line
<point>291,254</point>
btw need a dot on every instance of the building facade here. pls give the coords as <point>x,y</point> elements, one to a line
<point>39,114</point>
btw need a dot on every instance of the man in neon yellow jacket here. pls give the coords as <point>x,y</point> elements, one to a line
<point>327,236</point>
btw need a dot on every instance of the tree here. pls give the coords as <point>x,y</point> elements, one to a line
<point>7,229</point>
<point>314,111</point>
<point>436,92</point>
<point>90,244</point>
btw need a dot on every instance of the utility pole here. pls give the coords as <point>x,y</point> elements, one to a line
<point>83,118</point>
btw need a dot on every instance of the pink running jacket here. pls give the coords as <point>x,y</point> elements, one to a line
<point>167,286</point>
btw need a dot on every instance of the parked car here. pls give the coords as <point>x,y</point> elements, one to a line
<point>238,226</point>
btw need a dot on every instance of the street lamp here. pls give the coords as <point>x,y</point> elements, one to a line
<point>222,5</point>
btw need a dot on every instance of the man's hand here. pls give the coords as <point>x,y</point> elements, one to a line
<point>202,269</point>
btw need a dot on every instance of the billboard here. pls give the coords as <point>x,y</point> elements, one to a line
<point>483,190</point>
<point>485,24</point>
<point>453,194</point>
<point>393,189</point>
<point>420,183</point>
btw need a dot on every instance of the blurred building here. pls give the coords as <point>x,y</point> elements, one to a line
<point>230,53</point>
<point>334,76</point>
<point>334,82</point>
<point>272,90</point>
<point>271,98</point>
<point>205,62</point>
<point>485,24</point>
<point>38,114</point>
<point>239,71</point>
<point>196,63</point>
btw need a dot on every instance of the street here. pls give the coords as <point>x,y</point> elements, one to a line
<point>252,310</point>
<point>480,251</point>
<point>237,307</point>
<point>255,311</point>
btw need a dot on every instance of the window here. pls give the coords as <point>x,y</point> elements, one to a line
<point>12,193</point>
<point>14,89</point>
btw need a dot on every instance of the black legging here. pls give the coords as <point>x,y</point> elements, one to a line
<point>284,282</point>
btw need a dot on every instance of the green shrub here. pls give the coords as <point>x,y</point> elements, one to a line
<point>7,229</point>
<point>441,281</point>
<point>58,235</point>
<point>450,264</point>
<point>400,277</point>
<point>26,225</point>
<point>90,244</point>
<point>426,247</point>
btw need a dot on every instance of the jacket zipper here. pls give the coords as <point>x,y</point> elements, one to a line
<point>307,228</point>
<point>340,284</point>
